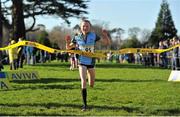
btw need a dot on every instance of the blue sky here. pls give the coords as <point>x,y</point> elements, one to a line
<point>123,13</point>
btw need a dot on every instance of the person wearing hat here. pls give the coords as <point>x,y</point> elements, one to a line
<point>21,56</point>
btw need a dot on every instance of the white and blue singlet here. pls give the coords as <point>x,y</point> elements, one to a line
<point>86,43</point>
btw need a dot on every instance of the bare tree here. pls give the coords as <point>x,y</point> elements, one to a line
<point>58,34</point>
<point>117,32</point>
<point>144,36</point>
<point>133,32</point>
<point>1,33</point>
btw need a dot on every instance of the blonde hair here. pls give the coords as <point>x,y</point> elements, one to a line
<point>13,42</point>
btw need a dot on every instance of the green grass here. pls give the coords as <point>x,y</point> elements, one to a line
<point>120,89</point>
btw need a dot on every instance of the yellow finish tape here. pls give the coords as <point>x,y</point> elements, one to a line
<point>88,54</point>
<point>100,53</point>
<point>51,50</point>
<point>140,50</point>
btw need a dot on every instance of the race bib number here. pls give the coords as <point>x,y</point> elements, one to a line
<point>87,48</point>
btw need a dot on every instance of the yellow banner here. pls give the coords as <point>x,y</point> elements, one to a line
<point>100,54</point>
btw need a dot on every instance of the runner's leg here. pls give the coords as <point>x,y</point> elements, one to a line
<point>91,76</point>
<point>82,72</point>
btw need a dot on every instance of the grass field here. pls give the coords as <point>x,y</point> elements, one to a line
<point>120,89</point>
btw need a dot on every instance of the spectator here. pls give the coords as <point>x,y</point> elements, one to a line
<point>13,55</point>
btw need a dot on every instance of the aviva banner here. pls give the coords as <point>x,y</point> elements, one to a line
<point>5,77</point>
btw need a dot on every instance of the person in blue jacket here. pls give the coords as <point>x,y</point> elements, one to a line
<point>85,40</point>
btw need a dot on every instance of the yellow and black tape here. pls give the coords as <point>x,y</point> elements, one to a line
<point>51,50</point>
<point>99,54</point>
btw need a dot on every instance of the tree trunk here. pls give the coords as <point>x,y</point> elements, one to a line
<point>1,27</point>
<point>18,20</point>
<point>1,35</point>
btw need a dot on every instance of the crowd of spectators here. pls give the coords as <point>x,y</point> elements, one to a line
<point>168,59</point>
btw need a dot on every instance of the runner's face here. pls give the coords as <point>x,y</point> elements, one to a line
<point>85,27</point>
